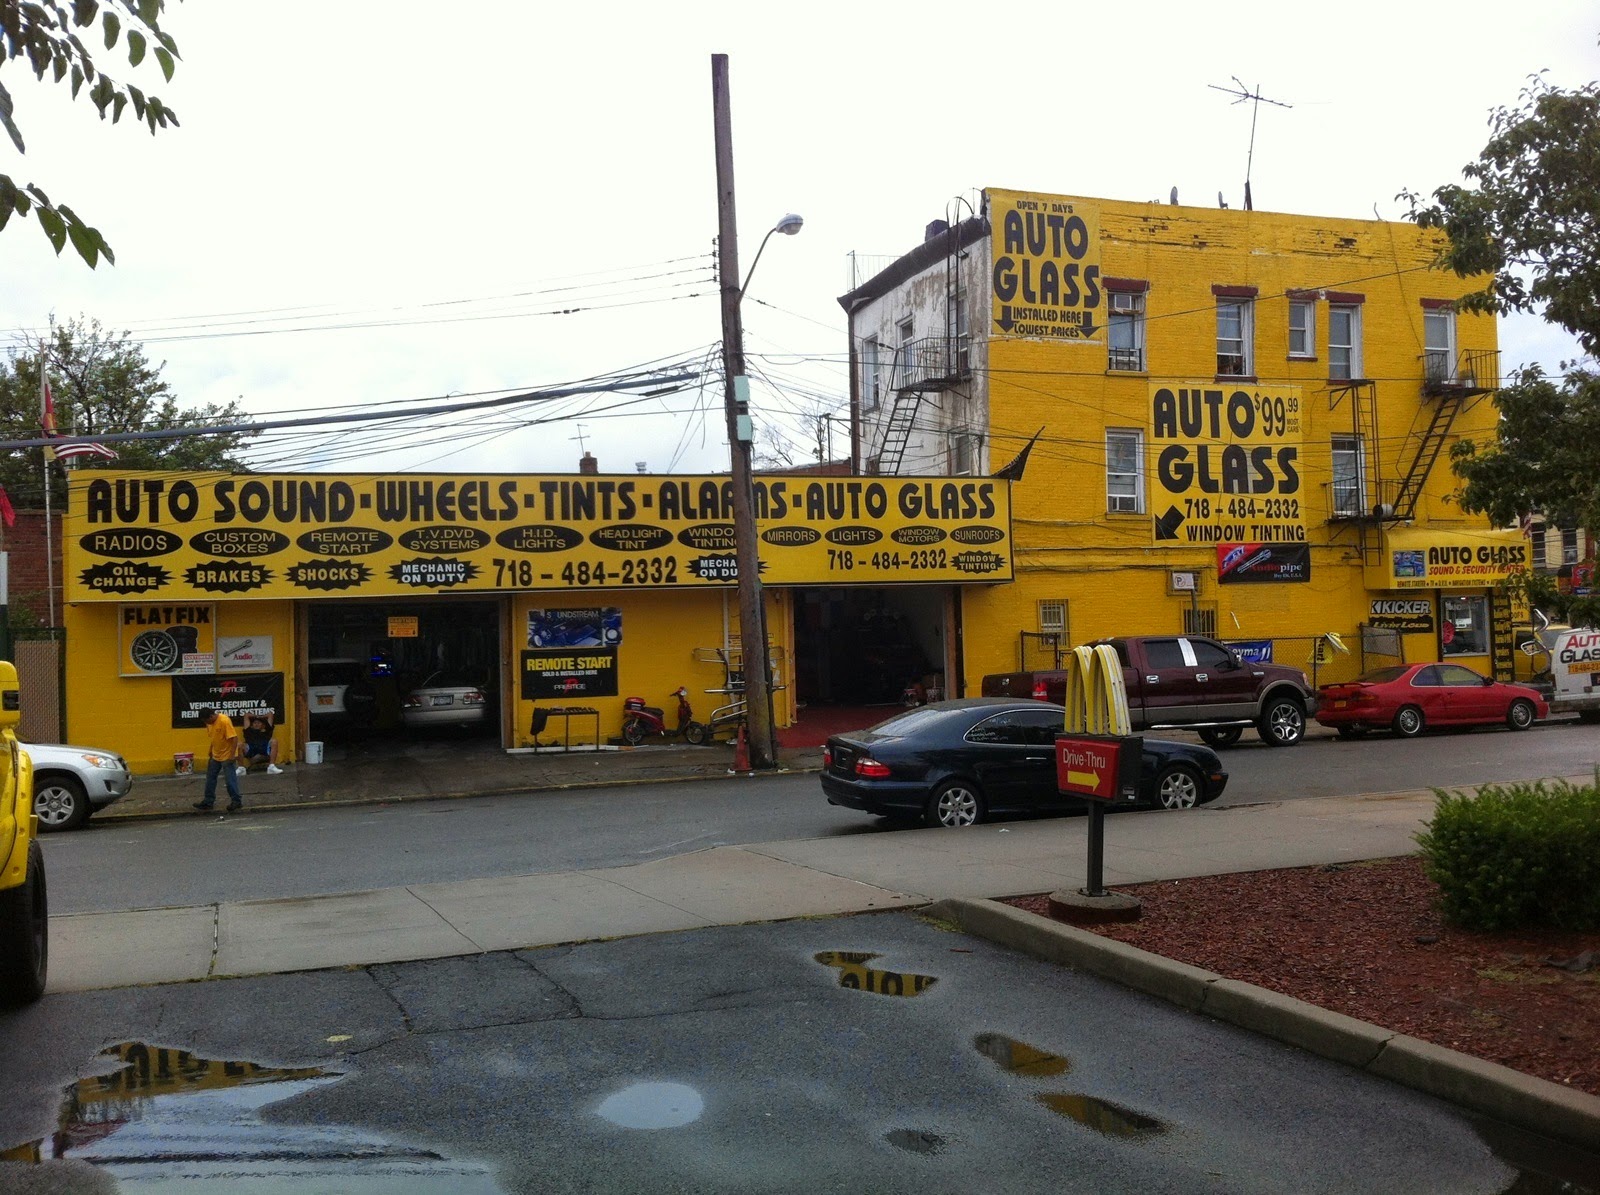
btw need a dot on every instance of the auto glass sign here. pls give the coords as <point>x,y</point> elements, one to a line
<point>1430,559</point>
<point>1226,464</point>
<point>1046,267</point>
<point>163,537</point>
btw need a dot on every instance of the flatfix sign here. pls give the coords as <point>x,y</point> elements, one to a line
<point>185,536</point>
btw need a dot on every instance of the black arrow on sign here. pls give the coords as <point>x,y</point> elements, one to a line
<point>1086,329</point>
<point>1005,321</point>
<point>1167,525</point>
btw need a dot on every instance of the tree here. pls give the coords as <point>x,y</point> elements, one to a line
<point>40,33</point>
<point>102,382</point>
<point>1532,221</point>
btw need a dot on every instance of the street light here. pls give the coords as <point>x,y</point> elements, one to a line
<point>736,400</point>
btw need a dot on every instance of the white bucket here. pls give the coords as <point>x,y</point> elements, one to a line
<point>313,752</point>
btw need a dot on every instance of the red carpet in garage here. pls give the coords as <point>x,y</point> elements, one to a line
<point>817,722</point>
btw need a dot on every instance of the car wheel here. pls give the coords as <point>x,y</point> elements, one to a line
<point>1350,732</point>
<point>1221,736</point>
<point>955,803</point>
<point>25,935</point>
<point>60,803</point>
<point>1178,787</point>
<point>154,651</point>
<point>1408,722</point>
<point>1521,715</point>
<point>1283,722</point>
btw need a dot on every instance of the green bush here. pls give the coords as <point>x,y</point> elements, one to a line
<point>1517,854</point>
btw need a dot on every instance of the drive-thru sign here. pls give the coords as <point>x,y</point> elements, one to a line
<point>1097,757</point>
<point>1097,768</point>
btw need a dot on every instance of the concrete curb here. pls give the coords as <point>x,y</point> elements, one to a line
<point>1537,1105</point>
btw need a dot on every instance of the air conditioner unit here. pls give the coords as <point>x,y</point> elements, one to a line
<point>1123,504</point>
<point>1123,301</point>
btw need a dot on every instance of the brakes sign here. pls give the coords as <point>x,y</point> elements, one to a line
<point>1095,767</point>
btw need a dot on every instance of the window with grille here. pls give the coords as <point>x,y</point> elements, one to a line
<point>1438,344</point>
<point>1200,619</point>
<point>1125,331</point>
<point>1053,618</point>
<point>1125,471</point>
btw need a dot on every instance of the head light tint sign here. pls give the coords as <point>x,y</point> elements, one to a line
<point>1046,267</point>
<point>161,537</point>
<point>1225,465</point>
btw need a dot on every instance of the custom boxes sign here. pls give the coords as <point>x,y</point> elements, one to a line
<point>156,537</point>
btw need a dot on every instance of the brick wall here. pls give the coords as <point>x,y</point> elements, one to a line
<point>29,577</point>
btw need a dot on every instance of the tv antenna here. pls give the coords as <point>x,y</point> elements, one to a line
<point>580,437</point>
<point>1241,94</point>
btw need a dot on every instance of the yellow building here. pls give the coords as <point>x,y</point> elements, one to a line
<point>1242,422</point>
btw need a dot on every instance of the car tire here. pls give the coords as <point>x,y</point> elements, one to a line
<point>1521,714</point>
<point>954,804</point>
<point>60,803</point>
<point>1408,722</point>
<point>1350,732</point>
<point>1221,736</point>
<point>633,732</point>
<point>1283,722</point>
<point>1589,716</point>
<point>1179,786</point>
<point>25,935</point>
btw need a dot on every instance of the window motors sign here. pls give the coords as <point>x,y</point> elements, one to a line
<point>1401,614</point>
<point>1046,269</point>
<point>1227,466</point>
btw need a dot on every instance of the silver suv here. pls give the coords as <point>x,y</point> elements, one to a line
<point>70,783</point>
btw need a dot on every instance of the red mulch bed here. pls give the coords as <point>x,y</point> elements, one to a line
<point>1365,939</point>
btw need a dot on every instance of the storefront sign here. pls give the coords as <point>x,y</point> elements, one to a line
<point>184,536</point>
<point>1226,465</point>
<point>244,653</point>
<point>1502,635</point>
<point>594,626</point>
<point>1046,268</point>
<point>1401,614</point>
<point>1239,564</point>
<point>156,638</point>
<point>1251,651</point>
<point>588,672</point>
<point>236,696</point>
<point>1418,558</point>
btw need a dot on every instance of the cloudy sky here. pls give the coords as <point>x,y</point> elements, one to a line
<point>385,202</point>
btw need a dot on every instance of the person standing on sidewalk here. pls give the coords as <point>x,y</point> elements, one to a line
<point>224,741</point>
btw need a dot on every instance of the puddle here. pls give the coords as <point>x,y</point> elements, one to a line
<point>856,975</point>
<point>653,1106</point>
<point>915,1141</point>
<point>169,1118</point>
<point>1541,1166</point>
<point>1019,1057</point>
<point>1104,1117</point>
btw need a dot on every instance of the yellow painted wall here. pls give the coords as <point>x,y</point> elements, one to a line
<point>133,714</point>
<point>1107,567</point>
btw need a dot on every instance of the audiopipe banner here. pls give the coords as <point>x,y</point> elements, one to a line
<point>1239,564</point>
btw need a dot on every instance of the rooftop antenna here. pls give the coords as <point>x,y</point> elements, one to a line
<point>1241,93</point>
<point>579,437</point>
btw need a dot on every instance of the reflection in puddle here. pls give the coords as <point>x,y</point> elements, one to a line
<point>856,975</point>
<point>1111,1120</point>
<point>653,1106</point>
<point>1020,1058</point>
<point>915,1141</point>
<point>170,1118</point>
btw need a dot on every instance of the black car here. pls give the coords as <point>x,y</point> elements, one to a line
<point>955,763</point>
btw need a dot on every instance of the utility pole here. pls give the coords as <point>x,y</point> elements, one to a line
<point>736,400</point>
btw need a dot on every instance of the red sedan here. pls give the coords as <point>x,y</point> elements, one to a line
<point>1409,697</point>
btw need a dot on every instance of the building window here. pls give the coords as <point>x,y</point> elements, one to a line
<point>1344,342</point>
<point>1349,477</point>
<point>1536,547</point>
<point>1053,619</point>
<point>1464,626</point>
<point>908,352</point>
<point>1438,344</point>
<point>1302,328</point>
<point>1569,545</point>
<point>870,379</point>
<point>1125,330</point>
<point>1200,619</point>
<point>965,451</point>
<point>1234,350</point>
<point>1125,472</point>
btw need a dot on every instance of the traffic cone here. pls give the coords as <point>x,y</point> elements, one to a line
<point>741,752</point>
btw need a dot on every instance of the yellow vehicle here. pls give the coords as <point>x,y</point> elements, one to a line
<point>24,908</point>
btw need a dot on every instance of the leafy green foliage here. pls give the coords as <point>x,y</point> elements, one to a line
<point>102,382</point>
<point>40,32</point>
<point>1518,854</point>
<point>1532,221</point>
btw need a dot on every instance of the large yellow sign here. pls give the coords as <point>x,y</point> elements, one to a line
<point>1046,267</point>
<point>1226,464</point>
<point>138,537</point>
<point>1417,558</point>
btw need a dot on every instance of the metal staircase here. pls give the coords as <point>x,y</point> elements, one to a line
<point>922,367</point>
<point>1432,443</point>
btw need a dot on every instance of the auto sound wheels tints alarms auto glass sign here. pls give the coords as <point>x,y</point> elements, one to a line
<point>159,640</point>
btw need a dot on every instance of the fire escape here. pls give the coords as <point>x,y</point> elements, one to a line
<point>921,367</point>
<point>1450,385</point>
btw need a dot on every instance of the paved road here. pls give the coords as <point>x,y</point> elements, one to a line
<point>758,1058</point>
<point>151,864</point>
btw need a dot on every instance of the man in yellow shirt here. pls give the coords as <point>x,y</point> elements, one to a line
<point>224,741</point>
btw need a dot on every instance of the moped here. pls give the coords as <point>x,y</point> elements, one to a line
<point>639,720</point>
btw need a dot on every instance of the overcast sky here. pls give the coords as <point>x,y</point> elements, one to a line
<point>463,173</point>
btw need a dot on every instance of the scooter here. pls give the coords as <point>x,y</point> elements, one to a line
<point>639,720</point>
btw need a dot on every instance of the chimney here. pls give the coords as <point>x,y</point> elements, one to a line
<point>935,228</point>
<point>588,464</point>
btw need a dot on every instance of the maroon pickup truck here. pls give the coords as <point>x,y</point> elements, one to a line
<point>1189,682</point>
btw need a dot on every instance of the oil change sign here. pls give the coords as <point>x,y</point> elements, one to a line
<point>1226,465</point>
<point>162,537</point>
<point>1046,268</point>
